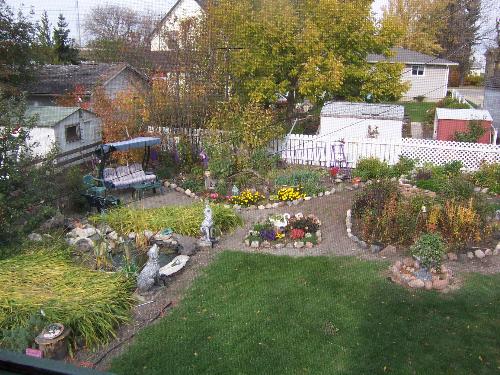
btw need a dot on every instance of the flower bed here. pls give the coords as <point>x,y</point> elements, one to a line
<point>409,272</point>
<point>285,230</point>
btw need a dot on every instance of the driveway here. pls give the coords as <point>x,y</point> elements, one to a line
<point>472,94</point>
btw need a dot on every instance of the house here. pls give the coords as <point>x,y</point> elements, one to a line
<point>68,128</point>
<point>476,69</point>
<point>163,36</point>
<point>447,122</point>
<point>53,82</point>
<point>427,75</point>
<point>344,120</point>
<point>492,86</point>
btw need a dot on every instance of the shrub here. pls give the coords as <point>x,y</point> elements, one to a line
<point>488,176</point>
<point>447,102</point>
<point>309,180</point>
<point>372,198</point>
<point>195,184</point>
<point>429,249</point>
<point>372,168</point>
<point>91,303</point>
<point>403,167</point>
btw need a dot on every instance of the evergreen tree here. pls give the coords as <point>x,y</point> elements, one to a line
<point>44,41</point>
<point>64,48</point>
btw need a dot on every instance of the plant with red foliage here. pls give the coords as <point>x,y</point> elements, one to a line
<point>334,171</point>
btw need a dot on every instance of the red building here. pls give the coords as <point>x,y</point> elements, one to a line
<point>450,121</point>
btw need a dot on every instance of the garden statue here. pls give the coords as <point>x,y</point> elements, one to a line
<point>209,182</point>
<point>207,227</point>
<point>149,274</point>
<point>279,221</point>
<point>235,191</point>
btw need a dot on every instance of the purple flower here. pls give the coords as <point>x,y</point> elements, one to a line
<point>268,234</point>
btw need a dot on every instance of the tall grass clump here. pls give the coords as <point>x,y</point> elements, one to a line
<point>184,220</point>
<point>44,280</point>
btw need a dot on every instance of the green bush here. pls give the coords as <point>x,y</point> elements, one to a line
<point>429,249</point>
<point>372,168</point>
<point>488,176</point>
<point>309,180</point>
<point>447,102</point>
<point>403,167</point>
<point>194,184</point>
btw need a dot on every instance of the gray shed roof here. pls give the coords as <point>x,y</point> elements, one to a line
<point>50,116</point>
<point>406,56</point>
<point>363,110</point>
<point>60,79</point>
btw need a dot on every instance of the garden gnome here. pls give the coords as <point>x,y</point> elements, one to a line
<point>206,226</point>
<point>149,274</point>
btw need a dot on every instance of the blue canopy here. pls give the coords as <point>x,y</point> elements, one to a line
<point>131,144</point>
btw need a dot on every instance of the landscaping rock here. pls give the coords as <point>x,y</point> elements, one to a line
<point>363,244</point>
<point>187,192</point>
<point>375,249</point>
<point>488,252</point>
<point>82,232</point>
<point>497,247</point>
<point>84,245</point>
<point>338,180</point>
<point>148,234</point>
<point>484,191</point>
<point>35,237</point>
<point>132,236</point>
<point>409,262</point>
<point>113,236</point>
<point>266,244</point>
<point>309,245</point>
<point>54,222</point>
<point>479,254</point>
<point>428,285</point>
<point>417,284</point>
<point>452,256</point>
<point>269,205</point>
<point>355,239</point>
<point>495,252</point>
<point>307,199</point>
<point>388,250</point>
<point>470,255</point>
<point>320,194</point>
<point>298,245</point>
<point>254,244</point>
<point>261,207</point>
<point>477,189</point>
<point>439,284</point>
<point>279,246</point>
<point>327,193</point>
<point>173,186</point>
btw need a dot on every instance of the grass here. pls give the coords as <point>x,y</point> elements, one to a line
<point>44,278</point>
<point>261,314</point>
<point>184,220</point>
<point>417,111</point>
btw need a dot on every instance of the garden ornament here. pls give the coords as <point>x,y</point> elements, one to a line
<point>280,221</point>
<point>149,274</point>
<point>207,226</point>
<point>235,191</point>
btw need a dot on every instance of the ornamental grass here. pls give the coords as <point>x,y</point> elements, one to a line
<point>183,220</point>
<point>44,280</point>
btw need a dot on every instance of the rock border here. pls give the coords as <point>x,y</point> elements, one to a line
<point>269,205</point>
<point>406,272</point>
<point>291,244</point>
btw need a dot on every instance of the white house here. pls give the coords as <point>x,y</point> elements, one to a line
<point>427,75</point>
<point>68,128</point>
<point>345,120</point>
<point>165,32</point>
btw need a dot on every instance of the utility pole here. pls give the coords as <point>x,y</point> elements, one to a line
<point>78,25</point>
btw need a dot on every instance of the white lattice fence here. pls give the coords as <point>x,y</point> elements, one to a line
<point>314,150</point>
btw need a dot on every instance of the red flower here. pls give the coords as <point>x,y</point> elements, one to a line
<point>334,171</point>
<point>297,234</point>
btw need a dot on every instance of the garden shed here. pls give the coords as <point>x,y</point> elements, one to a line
<point>345,120</point>
<point>70,128</point>
<point>448,122</point>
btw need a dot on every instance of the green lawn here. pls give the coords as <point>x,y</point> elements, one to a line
<point>417,111</point>
<point>260,314</point>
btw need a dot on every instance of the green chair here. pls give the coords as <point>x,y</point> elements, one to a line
<point>92,188</point>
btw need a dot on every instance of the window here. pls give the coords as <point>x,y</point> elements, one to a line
<point>417,70</point>
<point>73,133</point>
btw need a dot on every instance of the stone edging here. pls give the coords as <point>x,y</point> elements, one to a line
<point>268,206</point>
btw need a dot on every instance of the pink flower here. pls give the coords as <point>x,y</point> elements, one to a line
<point>214,196</point>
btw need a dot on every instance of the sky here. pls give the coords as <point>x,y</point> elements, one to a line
<point>69,9</point>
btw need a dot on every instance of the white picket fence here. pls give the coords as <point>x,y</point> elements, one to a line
<point>317,150</point>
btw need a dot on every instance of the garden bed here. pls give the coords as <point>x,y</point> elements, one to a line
<point>284,230</point>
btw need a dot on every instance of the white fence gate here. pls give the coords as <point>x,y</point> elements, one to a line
<point>317,150</point>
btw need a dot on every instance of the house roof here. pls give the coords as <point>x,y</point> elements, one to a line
<point>202,3</point>
<point>61,79</point>
<point>406,56</point>
<point>463,114</point>
<point>49,116</point>
<point>363,110</point>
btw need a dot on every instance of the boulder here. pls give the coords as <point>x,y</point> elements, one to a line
<point>428,285</point>
<point>417,284</point>
<point>261,207</point>
<point>409,262</point>
<point>495,252</point>
<point>452,256</point>
<point>488,252</point>
<point>439,284</point>
<point>299,245</point>
<point>479,254</point>
<point>328,192</point>
<point>84,245</point>
<point>187,192</point>
<point>309,245</point>
<point>57,221</point>
<point>35,237</point>
<point>470,255</point>
<point>113,236</point>
<point>389,250</point>
<point>254,244</point>
<point>148,234</point>
<point>375,249</point>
